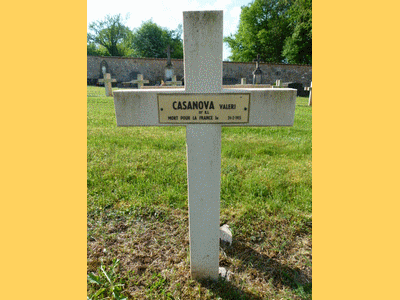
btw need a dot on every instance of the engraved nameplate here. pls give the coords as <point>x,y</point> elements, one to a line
<point>203,108</point>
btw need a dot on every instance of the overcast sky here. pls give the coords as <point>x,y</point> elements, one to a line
<point>166,13</point>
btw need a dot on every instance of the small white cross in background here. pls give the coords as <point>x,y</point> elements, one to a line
<point>107,83</point>
<point>140,82</point>
<point>173,82</point>
<point>310,97</point>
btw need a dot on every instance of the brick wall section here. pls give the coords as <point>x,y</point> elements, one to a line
<point>153,69</point>
<point>271,72</point>
<point>126,69</point>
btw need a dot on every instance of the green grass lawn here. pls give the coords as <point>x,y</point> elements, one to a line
<point>138,246</point>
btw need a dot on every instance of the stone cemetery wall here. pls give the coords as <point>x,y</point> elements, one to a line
<point>233,72</point>
<point>153,69</point>
<point>126,69</point>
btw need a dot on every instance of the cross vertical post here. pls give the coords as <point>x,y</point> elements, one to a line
<point>310,97</point>
<point>107,83</point>
<point>203,74</point>
<point>168,51</point>
<point>257,61</point>
<point>169,71</point>
<point>257,73</point>
<point>140,82</point>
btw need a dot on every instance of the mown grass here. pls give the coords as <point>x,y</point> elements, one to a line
<point>137,210</point>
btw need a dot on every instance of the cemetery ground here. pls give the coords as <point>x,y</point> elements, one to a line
<point>137,210</point>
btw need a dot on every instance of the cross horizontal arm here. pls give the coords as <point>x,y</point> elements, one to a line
<point>268,107</point>
<point>176,83</point>
<point>107,80</point>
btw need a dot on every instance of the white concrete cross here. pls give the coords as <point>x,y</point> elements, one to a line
<point>140,82</point>
<point>203,106</point>
<point>107,83</point>
<point>173,82</point>
<point>310,97</point>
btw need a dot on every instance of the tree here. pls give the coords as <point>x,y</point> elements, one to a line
<point>263,29</point>
<point>176,42</point>
<point>91,49</point>
<point>298,47</point>
<point>151,40</point>
<point>96,50</point>
<point>278,30</point>
<point>112,34</point>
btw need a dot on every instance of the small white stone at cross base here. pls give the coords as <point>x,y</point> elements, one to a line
<point>226,234</point>
<point>224,273</point>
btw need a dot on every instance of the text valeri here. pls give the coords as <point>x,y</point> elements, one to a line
<point>200,105</point>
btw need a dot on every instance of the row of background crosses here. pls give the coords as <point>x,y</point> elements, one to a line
<point>257,75</point>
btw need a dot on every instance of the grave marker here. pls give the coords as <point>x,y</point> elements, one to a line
<point>173,82</point>
<point>140,82</point>
<point>257,73</point>
<point>310,97</point>
<point>169,71</point>
<point>107,83</point>
<point>203,96</point>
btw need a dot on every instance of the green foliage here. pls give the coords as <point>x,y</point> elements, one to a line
<point>96,50</point>
<point>112,34</point>
<point>151,40</point>
<point>110,37</point>
<point>126,46</point>
<point>298,47</point>
<point>106,283</point>
<point>176,42</point>
<point>91,49</point>
<point>280,31</point>
<point>263,28</point>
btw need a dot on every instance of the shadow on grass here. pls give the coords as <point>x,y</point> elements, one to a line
<point>274,272</point>
<point>227,291</point>
<point>280,275</point>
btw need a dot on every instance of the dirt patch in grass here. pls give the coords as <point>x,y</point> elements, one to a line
<point>152,247</point>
